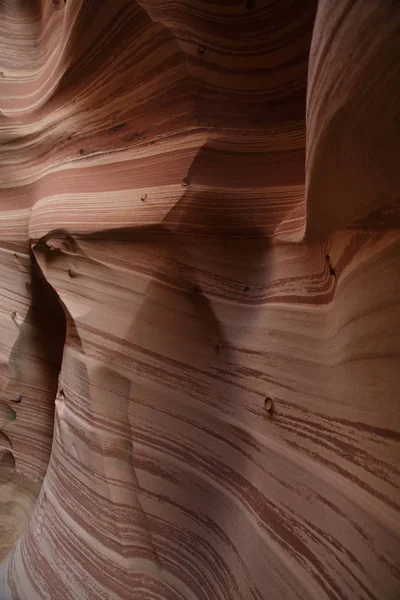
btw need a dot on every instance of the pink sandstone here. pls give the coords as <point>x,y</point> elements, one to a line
<point>199,300</point>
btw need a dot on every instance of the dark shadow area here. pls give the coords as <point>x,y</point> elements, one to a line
<point>34,366</point>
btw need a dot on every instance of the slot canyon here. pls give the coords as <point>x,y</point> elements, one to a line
<point>199,300</point>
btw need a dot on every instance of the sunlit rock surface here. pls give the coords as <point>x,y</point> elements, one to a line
<point>199,300</point>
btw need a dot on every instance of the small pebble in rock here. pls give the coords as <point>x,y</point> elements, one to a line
<point>268,403</point>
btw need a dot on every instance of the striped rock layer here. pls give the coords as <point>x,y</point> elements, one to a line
<point>199,303</point>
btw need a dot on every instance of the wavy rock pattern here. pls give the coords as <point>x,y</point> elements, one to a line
<point>225,417</point>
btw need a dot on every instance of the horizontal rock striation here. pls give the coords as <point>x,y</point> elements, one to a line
<point>199,303</point>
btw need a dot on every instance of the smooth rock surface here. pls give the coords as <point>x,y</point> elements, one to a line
<point>199,300</point>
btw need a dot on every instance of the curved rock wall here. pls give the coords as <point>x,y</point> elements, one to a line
<point>211,327</point>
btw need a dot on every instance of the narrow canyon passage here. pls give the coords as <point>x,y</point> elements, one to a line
<point>199,304</point>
